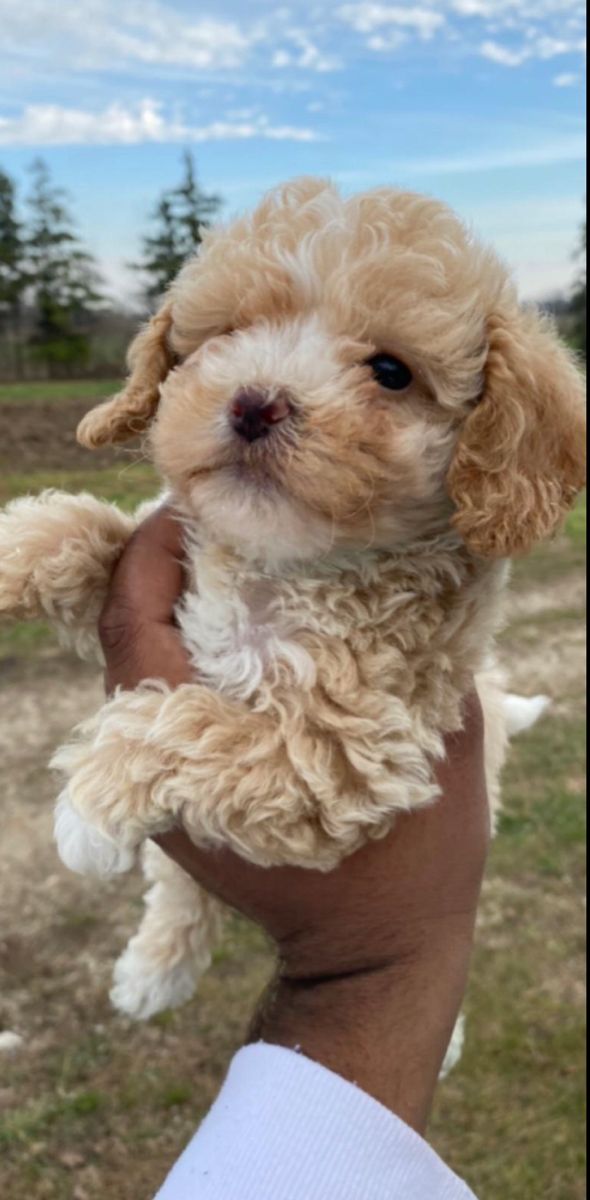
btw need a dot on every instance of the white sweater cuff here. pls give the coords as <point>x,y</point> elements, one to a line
<point>285,1128</point>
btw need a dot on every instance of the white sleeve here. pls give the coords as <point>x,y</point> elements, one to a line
<point>284,1128</point>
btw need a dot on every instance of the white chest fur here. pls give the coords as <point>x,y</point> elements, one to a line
<point>235,627</point>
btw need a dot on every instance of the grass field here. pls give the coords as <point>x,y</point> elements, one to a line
<point>126,485</point>
<point>93,1106</point>
<point>56,391</point>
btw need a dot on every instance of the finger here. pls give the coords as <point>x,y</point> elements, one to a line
<point>151,652</point>
<point>137,630</point>
<point>461,774</point>
<point>150,573</point>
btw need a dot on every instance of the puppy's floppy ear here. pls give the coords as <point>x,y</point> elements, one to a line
<point>129,412</point>
<point>521,458</point>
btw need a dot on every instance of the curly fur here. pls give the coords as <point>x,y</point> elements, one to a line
<point>56,554</point>
<point>344,574</point>
<point>520,462</point>
<point>129,413</point>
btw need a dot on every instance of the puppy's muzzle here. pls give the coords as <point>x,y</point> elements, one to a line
<point>254,412</point>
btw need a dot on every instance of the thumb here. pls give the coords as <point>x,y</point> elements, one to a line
<point>137,628</point>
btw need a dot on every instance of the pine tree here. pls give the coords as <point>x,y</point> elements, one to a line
<point>179,220</point>
<point>65,285</point>
<point>13,273</point>
<point>162,250</point>
<point>195,208</point>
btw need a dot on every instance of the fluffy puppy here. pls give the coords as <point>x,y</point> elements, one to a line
<point>358,426</point>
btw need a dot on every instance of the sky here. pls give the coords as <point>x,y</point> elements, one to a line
<point>478,102</point>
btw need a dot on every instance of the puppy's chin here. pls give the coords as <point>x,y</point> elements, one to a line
<point>259,523</point>
<point>267,525</point>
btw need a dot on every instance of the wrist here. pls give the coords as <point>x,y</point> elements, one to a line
<point>385,1027</point>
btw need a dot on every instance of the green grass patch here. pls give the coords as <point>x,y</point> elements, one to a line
<point>532,1054</point>
<point>175,1094</point>
<point>552,560</point>
<point>530,629</point>
<point>575,526</point>
<point>166,1019</point>
<point>78,923</point>
<point>53,391</point>
<point>543,822</point>
<point>38,1119</point>
<point>124,485</point>
<point>25,639</point>
<point>510,1118</point>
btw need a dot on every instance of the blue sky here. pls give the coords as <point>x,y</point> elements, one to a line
<point>479,102</point>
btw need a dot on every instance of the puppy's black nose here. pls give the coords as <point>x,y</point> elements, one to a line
<point>253,412</point>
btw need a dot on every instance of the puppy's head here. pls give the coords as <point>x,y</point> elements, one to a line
<point>353,372</point>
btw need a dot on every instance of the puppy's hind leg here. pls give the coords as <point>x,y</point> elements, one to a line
<point>163,963</point>
<point>505,716</point>
<point>522,712</point>
<point>454,1048</point>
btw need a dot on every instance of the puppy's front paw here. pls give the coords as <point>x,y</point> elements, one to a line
<point>15,568</point>
<point>33,531</point>
<point>83,848</point>
<point>141,988</point>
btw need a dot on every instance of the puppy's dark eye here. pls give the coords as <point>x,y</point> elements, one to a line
<point>390,372</point>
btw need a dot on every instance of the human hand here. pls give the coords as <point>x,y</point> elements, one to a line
<point>373,957</point>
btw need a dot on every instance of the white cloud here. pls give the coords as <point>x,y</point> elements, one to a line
<point>368,17</point>
<point>566,80</point>
<point>536,46</point>
<point>552,47</point>
<point>474,8</point>
<point>299,50</point>
<point>163,39</point>
<point>308,56</point>
<point>391,40</point>
<point>54,125</point>
<point>104,33</point>
<point>503,54</point>
<point>518,12</point>
<point>242,114</point>
<point>282,58</point>
<point>537,29</point>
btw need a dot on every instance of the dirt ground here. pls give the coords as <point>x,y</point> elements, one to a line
<point>82,1072</point>
<point>43,437</point>
<point>92,1106</point>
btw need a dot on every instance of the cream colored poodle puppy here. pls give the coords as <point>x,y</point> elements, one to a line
<point>358,426</point>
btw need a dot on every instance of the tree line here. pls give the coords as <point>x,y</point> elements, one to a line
<point>53,304</point>
<point>53,307</point>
